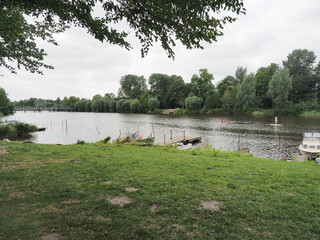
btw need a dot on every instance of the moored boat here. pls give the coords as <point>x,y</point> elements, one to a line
<point>310,144</point>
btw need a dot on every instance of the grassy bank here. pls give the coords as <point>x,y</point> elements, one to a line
<point>310,114</point>
<point>75,192</point>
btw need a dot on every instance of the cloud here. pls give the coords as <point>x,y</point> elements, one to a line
<point>84,67</point>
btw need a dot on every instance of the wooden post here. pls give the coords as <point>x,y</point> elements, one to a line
<point>170,134</point>
<point>184,135</point>
<point>239,142</point>
<point>153,131</point>
<point>164,139</point>
<point>279,144</point>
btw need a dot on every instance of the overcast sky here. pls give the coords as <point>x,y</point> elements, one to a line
<point>270,30</point>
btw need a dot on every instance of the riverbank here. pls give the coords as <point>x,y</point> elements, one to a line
<point>259,112</point>
<point>97,191</point>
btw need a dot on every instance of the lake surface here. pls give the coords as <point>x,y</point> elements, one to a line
<point>259,134</point>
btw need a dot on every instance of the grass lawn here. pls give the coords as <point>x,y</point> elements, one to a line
<point>97,191</point>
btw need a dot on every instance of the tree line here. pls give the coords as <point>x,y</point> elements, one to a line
<point>289,88</point>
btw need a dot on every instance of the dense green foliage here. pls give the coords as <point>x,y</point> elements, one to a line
<point>284,89</point>
<point>6,106</point>
<point>16,130</point>
<point>132,86</point>
<point>188,22</point>
<point>69,192</point>
<point>279,87</point>
<point>246,95</point>
<point>193,102</point>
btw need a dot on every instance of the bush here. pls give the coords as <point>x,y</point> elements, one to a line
<point>180,111</point>
<point>107,139</point>
<point>289,108</point>
<point>123,106</point>
<point>135,106</point>
<point>193,103</point>
<point>7,131</point>
<point>81,142</point>
<point>15,130</point>
<point>24,128</point>
<point>153,103</point>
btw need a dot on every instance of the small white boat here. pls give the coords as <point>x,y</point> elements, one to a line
<point>310,144</point>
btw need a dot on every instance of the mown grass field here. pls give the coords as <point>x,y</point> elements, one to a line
<point>70,192</point>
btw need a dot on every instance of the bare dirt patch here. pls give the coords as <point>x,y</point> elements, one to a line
<point>15,194</point>
<point>120,201</point>
<point>71,201</point>
<point>211,205</point>
<point>102,219</point>
<point>3,150</point>
<point>51,236</point>
<point>131,189</point>
<point>108,182</point>
<point>177,227</point>
<point>155,207</point>
<point>50,208</point>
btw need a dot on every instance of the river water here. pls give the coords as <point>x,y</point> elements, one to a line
<point>259,134</point>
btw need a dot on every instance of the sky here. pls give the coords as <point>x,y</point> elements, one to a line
<point>84,67</point>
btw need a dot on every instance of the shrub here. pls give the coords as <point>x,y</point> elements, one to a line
<point>15,130</point>
<point>81,142</point>
<point>24,128</point>
<point>153,103</point>
<point>193,103</point>
<point>123,106</point>
<point>107,139</point>
<point>7,131</point>
<point>135,106</point>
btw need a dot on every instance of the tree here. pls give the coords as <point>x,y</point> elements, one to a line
<point>301,65</point>
<point>109,102</point>
<point>227,100</point>
<point>87,106</point>
<point>202,85</point>
<point>246,95</point>
<point>132,86</point>
<point>262,79</point>
<point>80,106</point>
<point>190,22</point>
<point>6,106</point>
<point>177,92</point>
<point>225,84</point>
<point>317,86</point>
<point>72,100</point>
<point>153,103</point>
<point>213,100</point>
<point>240,74</point>
<point>123,106</point>
<point>135,106</point>
<point>159,87</point>
<point>279,87</point>
<point>112,105</point>
<point>98,105</point>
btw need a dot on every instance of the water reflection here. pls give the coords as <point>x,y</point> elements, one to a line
<point>259,134</point>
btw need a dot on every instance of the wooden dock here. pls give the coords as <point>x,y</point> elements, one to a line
<point>181,139</point>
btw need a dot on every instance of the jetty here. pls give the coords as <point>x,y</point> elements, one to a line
<point>181,139</point>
